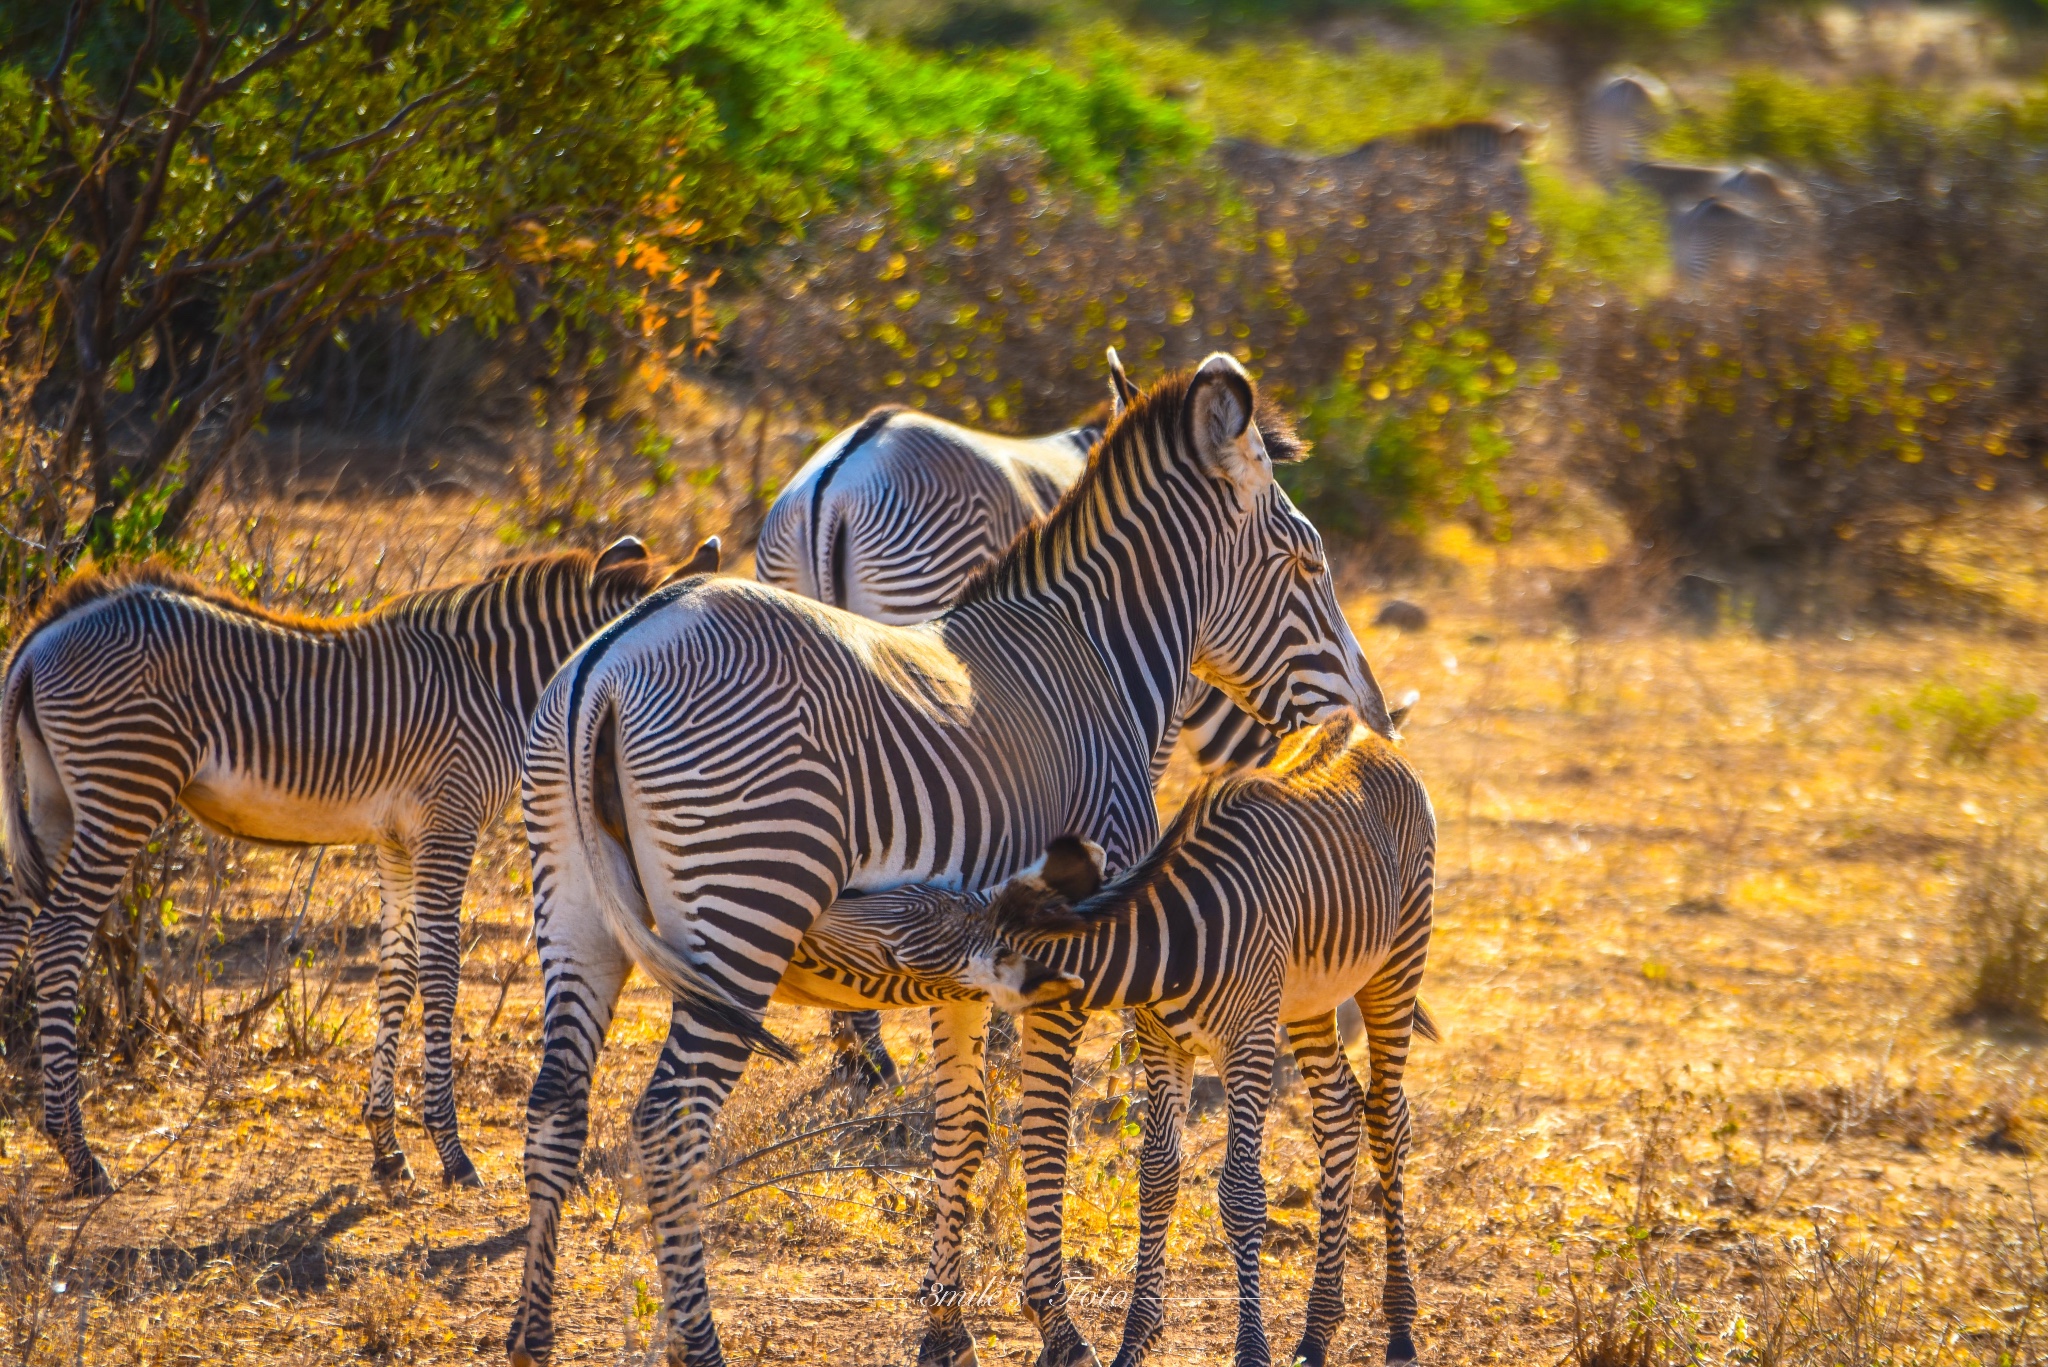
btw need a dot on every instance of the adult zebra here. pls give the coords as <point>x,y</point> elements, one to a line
<point>890,518</point>
<point>727,759</point>
<point>401,727</point>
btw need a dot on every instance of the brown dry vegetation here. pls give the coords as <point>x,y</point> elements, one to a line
<point>1705,1092</point>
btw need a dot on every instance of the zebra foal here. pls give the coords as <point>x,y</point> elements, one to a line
<point>727,759</point>
<point>401,727</point>
<point>1273,897</point>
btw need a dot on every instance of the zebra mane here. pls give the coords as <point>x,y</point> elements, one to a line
<point>1157,409</point>
<point>83,590</point>
<point>1307,758</point>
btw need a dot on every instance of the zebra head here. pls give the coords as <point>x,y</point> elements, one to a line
<point>1272,636</point>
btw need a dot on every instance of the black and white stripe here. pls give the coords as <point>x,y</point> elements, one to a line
<point>727,759</point>
<point>400,728</point>
<point>1274,897</point>
<point>890,518</point>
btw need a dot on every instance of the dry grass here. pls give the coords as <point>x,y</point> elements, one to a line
<point>1704,1096</point>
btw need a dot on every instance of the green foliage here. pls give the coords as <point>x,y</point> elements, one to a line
<point>1291,94</point>
<point>1772,116</point>
<point>806,111</point>
<point>1970,722</point>
<point>1614,237</point>
<point>1416,432</point>
<point>1647,17</point>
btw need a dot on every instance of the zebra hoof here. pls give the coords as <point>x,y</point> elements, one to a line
<point>391,1167</point>
<point>1070,1351</point>
<point>1310,1355</point>
<point>948,1350</point>
<point>461,1174</point>
<point>1400,1348</point>
<point>93,1181</point>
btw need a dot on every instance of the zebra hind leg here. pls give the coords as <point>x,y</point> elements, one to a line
<point>1336,1109</point>
<point>959,1143</point>
<point>700,1064</point>
<point>397,976</point>
<point>581,982</point>
<point>441,872</point>
<point>1389,1007</point>
<point>61,942</point>
<point>1169,1078</point>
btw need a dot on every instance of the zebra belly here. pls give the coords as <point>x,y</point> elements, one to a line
<point>1313,989</point>
<point>249,808</point>
<point>802,986</point>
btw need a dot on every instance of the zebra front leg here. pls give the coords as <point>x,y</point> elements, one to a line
<point>959,1142</point>
<point>1241,1188</point>
<point>700,1064</point>
<point>1335,1111</point>
<point>397,975</point>
<point>1389,1008</point>
<point>440,873</point>
<point>581,984</point>
<point>1047,1040</point>
<point>1169,1078</point>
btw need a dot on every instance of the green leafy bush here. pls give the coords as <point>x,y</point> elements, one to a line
<point>1395,304</point>
<point>1970,722</point>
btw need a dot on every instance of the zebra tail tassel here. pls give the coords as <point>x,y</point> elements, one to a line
<point>1424,1024</point>
<point>623,903</point>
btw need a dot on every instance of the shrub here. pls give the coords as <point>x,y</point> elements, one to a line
<point>1971,722</point>
<point>2002,926</point>
<point>1392,303</point>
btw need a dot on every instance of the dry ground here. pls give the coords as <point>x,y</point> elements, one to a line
<point>1703,1094</point>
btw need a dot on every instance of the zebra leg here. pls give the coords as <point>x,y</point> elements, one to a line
<point>862,1060</point>
<point>61,941</point>
<point>16,916</point>
<point>1169,1077</point>
<point>1388,1004</point>
<point>1241,1189</point>
<point>440,874</point>
<point>1335,1111</point>
<point>959,1142</point>
<point>580,981</point>
<point>397,974</point>
<point>698,1068</point>
<point>1047,1039</point>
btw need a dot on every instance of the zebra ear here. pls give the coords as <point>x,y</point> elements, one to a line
<point>624,551</point>
<point>1122,393</point>
<point>705,561</point>
<point>1218,412</point>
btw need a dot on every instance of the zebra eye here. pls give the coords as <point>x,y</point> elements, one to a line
<point>1312,565</point>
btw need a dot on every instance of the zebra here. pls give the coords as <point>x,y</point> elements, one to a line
<point>400,727</point>
<point>727,758</point>
<point>1621,116</point>
<point>1272,897</point>
<point>891,516</point>
<point>1717,238</point>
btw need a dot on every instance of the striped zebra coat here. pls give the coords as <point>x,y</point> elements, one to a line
<point>891,517</point>
<point>727,759</point>
<point>401,728</point>
<point>1273,897</point>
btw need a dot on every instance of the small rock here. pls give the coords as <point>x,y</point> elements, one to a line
<point>1700,906</point>
<point>1482,639</point>
<point>1402,615</point>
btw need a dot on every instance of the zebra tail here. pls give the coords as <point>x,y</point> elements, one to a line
<point>24,856</point>
<point>622,901</point>
<point>1424,1024</point>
